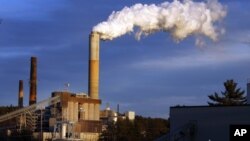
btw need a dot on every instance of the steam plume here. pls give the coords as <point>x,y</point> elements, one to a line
<point>179,18</point>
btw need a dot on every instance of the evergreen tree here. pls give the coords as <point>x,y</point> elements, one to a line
<point>231,96</point>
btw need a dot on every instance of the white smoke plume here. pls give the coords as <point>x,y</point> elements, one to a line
<point>179,18</point>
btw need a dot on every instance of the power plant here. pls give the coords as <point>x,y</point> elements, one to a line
<point>66,114</point>
<point>76,116</point>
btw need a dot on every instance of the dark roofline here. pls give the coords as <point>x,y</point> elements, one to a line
<point>205,106</point>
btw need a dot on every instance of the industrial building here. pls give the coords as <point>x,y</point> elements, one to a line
<point>196,123</point>
<point>110,116</point>
<point>206,123</point>
<point>66,114</point>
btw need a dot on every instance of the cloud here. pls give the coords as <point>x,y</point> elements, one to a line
<point>196,59</point>
<point>14,52</point>
<point>242,37</point>
<point>158,106</point>
<point>177,100</point>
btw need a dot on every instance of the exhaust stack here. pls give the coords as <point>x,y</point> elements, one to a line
<point>33,80</point>
<point>20,94</point>
<point>93,89</point>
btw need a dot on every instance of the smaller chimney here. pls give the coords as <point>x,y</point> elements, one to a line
<point>33,80</point>
<point>20,94</point>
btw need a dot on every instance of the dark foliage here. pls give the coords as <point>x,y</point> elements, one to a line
<point>141,129</point>
<point>231,96</point>
<point>17,135</point>
<point>7,109</point>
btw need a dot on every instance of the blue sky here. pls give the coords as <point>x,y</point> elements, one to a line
<point>147,76</point>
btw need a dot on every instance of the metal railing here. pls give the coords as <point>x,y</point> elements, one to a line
<point>30,108</point>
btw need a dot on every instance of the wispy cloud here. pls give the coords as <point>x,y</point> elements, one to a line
<point>159,106</point>
<point>177,100</point>
<point>7,53</point>
<point>196,59</point>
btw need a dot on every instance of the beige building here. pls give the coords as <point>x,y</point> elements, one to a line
<point>80,110</point>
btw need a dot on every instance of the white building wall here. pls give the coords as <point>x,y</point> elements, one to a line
<point>212,123</point>
<point>130,115</point>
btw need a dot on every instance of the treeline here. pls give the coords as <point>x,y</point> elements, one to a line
<point>7,109</point>
<point>141,129</point>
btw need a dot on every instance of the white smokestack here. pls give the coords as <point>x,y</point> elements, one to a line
<point>179,18</point>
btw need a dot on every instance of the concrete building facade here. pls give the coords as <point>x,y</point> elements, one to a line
<point>77,109</point>
<point>206,123</point>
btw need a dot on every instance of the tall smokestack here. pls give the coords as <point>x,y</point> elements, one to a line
<point>94,40</point>
<point>33,80</point>
<point>20,94</point>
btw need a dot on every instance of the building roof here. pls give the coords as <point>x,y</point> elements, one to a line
<point>206,106</point>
